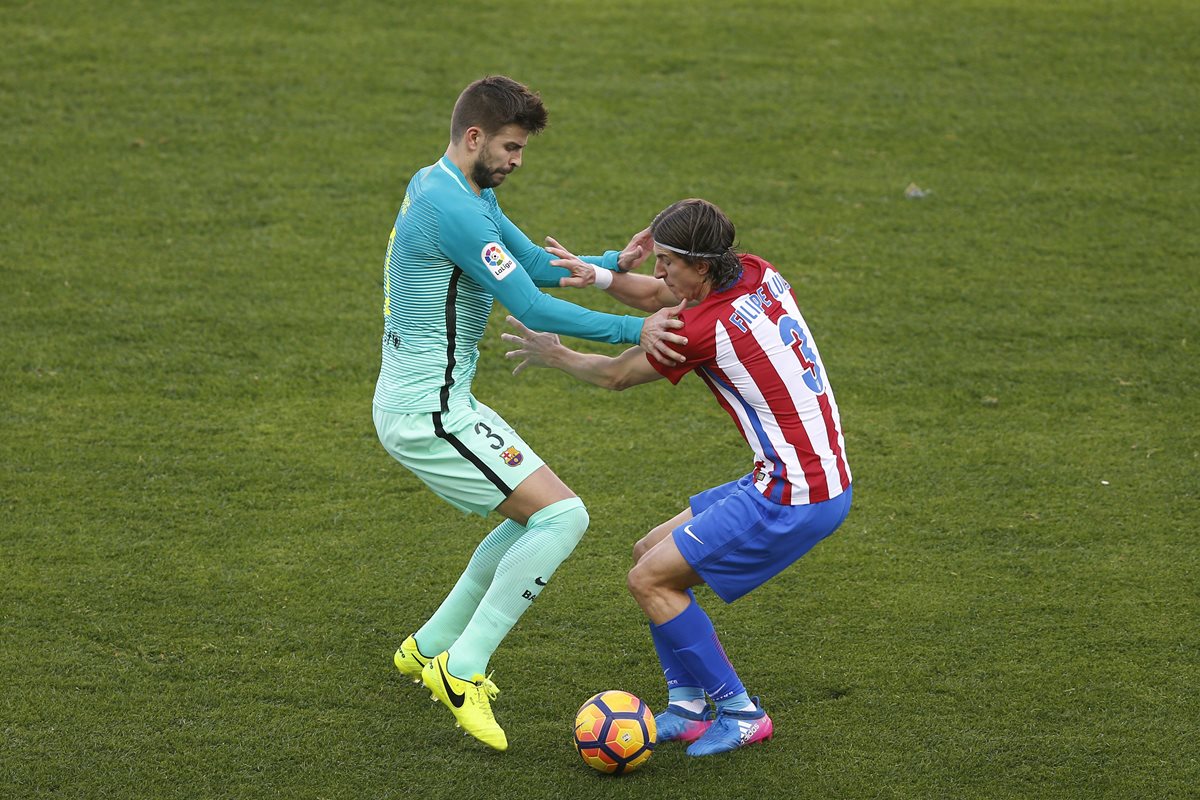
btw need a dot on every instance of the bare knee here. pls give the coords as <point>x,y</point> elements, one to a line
<point>640,583</point>
<point>641,548</point>
<point>647,542</point>
<point>657,595</point>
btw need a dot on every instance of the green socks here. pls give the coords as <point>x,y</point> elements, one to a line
<point>447,623</point>
<point>521,574</point>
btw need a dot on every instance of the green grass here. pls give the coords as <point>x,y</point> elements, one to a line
<point>206,558</point>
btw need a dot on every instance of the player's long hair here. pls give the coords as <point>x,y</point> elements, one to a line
<point>495,101</point>
<point>699,231</point>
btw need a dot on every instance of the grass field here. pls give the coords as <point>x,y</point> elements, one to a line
<point>206,558</point>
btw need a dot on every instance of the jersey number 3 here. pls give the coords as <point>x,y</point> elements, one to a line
<point>793,335</point>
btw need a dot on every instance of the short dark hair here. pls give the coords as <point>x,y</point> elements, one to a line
<point>699,231</point>
<point>495,101</point>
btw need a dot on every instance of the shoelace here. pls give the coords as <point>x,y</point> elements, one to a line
<point>485,686</point>
<point>726,727</point>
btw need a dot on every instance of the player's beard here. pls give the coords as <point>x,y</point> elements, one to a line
<point>484,174</point>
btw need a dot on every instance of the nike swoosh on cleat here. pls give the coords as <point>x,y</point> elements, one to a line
<point>539,581</point>
<point>688,530</point>
<point>456,698</point>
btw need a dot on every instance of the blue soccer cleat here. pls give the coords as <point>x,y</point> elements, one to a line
<point>680,725</point>
<point>734,729</point>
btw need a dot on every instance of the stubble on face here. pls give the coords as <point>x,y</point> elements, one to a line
<point>486,176</point>
<point>499,155</point>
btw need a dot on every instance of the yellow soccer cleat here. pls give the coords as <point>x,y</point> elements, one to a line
<point>409,660</point>
<point>469,701</point>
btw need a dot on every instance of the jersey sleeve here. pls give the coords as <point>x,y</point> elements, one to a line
<point>536,260</point>
<point>474,242</point>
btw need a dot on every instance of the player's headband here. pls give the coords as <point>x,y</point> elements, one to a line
<point>687,253</point>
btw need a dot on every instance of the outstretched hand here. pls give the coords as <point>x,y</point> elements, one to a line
<point>636,252</point>
<point>582,273</point>
<point>534,347</point>
<point>656,334</point>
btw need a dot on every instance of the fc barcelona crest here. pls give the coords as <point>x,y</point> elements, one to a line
<point>512,456</point>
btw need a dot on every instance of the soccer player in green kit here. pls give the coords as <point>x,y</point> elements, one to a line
<point>451,252</point>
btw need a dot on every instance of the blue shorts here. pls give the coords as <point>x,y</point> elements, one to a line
<point>737,539</point>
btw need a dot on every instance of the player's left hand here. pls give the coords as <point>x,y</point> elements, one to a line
<point>582,273</point>
<point>657,337</point>
<point>535,348</point>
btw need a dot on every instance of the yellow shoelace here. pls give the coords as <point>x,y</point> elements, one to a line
<point>485,686</point>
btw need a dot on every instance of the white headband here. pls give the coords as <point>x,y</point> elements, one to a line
<point>687,253</point>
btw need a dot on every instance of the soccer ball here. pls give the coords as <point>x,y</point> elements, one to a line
<point>615,732</point>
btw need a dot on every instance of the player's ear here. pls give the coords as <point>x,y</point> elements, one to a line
<point>474,138</point>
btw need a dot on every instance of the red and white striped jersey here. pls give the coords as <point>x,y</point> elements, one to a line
<point>752,347</point>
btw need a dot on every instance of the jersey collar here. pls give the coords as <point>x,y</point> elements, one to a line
<point>453,171</point>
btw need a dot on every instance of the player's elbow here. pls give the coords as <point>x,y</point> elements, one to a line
<point>618,382</point>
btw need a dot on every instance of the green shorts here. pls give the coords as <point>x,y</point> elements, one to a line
<point>469,456</point>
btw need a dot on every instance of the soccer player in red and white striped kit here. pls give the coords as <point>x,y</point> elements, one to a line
<point>749,343</point>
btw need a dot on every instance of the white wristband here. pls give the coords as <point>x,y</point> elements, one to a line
<point>604,277</point>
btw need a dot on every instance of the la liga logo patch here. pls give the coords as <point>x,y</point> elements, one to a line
<point>497,261</point>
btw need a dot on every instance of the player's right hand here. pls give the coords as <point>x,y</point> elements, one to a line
<point>534,348</point>
<point>582,273</point>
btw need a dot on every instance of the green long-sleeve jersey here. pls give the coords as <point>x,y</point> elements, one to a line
<point>452,252</point>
